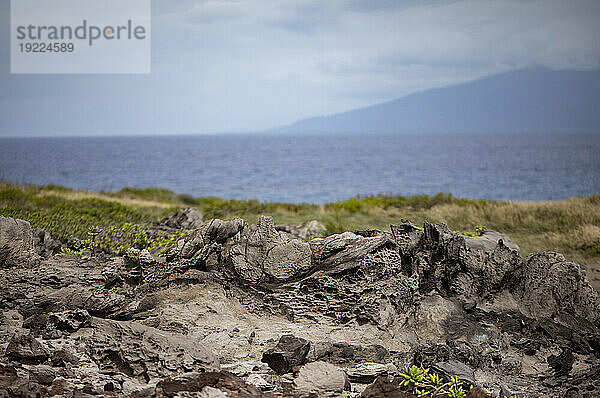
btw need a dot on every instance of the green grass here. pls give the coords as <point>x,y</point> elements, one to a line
<point>570,226</point>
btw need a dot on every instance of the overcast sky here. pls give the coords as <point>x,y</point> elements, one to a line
<point>223,65</point>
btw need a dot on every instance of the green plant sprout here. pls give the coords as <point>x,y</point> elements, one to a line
<point>418,380</point>
<point>117,239</point>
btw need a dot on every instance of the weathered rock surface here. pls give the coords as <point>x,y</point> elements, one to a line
<point>16,243</point>
<point>143,352</point>
<point>187,218</point>
<point>305,231</point>
<point>320,379</point>
<point>360,305</point>
<point>290,351</point>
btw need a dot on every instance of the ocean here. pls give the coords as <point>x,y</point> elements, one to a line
<point>315,169</point>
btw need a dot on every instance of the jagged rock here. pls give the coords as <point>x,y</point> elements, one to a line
<point>62,357</point>
<point>305,231</point>
<point>488,241</point>
<point>25,348</point>
<point>407,236</point>
<point>320,379</point>
<point>144,352</point>
<point>562,363</point>
<point>337,253</point>
<point>290,351</point>
<point>265,254</point>
<point>42,374</point>
<point>195,381</point>
<point>44,244</point>
<point>187,218</point>
<point>16,243</point>
<point>548,285</point>
<point>342,353</point>
<point>66,322</point>
<point>366,372</point>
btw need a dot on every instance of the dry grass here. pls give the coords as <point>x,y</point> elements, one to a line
<point>570,226</point>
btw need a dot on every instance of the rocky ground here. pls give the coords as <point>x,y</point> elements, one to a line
<point>264,311</point>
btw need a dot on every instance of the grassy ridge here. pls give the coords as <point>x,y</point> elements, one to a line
<point>570,226</point>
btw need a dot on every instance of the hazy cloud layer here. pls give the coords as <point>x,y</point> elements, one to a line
<point>247,65</point>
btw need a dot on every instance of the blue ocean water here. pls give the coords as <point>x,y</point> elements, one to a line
<point>316,169</point>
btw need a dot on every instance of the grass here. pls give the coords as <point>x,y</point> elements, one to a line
<point>569,226</point>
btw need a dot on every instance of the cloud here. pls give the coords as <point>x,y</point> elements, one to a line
<point>252,64</point>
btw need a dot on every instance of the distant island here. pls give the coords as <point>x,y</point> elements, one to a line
<point>533,99</point>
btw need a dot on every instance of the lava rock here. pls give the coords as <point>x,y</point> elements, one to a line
<point>26,349</point>
<point>195,382</point>
<point>16,243</point>
<point>305,231</point>
<point>320,379</point>
<point>562,363</point>
<point>454,368</point>
<point>188,218</point>
<point>290,351</point>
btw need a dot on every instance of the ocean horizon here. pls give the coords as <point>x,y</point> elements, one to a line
<point>314,168</point>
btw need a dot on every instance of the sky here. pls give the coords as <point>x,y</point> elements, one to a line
<point>249,65</point>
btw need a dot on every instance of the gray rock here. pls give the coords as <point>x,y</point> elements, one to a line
<point>44,244</point>
<point>25,348</point>
<point>320,379</point>
<point>16,243</point>
<point>366,372</point>
<point>454,368</point>
<point>548,285</point>
<point>488,241</point>
<point>265,254</point>
<point>67,321</point>
<point>290,351</point>
<point>199,381</point>
<point>305,231</point>
<point>42,374</point>
<point>188,218</point>
<point>144,352</point>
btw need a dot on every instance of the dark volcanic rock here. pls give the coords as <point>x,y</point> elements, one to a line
<point>195,382</point>
<point>290,351</point>
<point>25,348</point>
<point>383,387</point>
<point>562,363</point>
<point>431,297</point>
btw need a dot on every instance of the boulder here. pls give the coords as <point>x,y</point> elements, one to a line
<point>305,231</point>
<point>144,352</point>
<point>207,383</point>
<point>320,379</point>
<point>188,218</point>
<point>488,240</point>
<point>383,387</point>
<point>16,243</point>
<point>366,372</point>
<point>548,285</point>
<point>454,368</point>
<point>265,254</point>
<point>25,348</point>
<point>290,351</point>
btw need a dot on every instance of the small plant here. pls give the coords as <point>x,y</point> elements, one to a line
<point>419,381</point>
<point>413,377</point>
<point>117,239</point>
<point>455,389</point>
